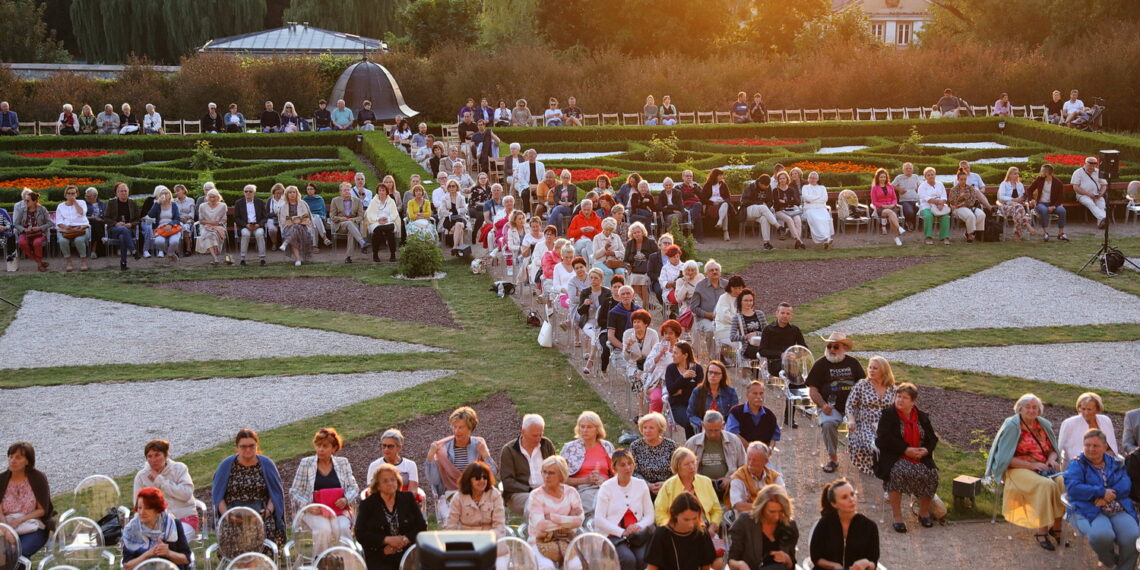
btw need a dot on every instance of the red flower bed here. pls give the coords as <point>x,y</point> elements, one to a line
<point>336,176</point>
<point>41,183</point>
<point>583,174</point>
<point>832,167</point>
<point>70,153</point>
<point>1069,159</point>
<point>761,142</point>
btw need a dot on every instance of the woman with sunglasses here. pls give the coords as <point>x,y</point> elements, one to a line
<point>478,505</point>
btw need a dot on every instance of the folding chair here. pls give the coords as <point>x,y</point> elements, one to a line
<point>723,117</point>
<point>705,117</point>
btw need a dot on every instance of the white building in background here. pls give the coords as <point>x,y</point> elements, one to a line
<point>893,22</point>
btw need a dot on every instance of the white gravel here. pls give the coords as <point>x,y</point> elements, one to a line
<point>840,149</point>
<point>119,333</point>
<point>967,145</point>
<point>1097,365</point>
<point>1021,292</point>
<point>102,428</point>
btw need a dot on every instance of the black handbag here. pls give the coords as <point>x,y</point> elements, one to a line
<point>111,525</point>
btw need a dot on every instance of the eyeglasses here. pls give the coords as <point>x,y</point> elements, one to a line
<point>389,445</point>
<point>833,345</point>
<point>479,476</point>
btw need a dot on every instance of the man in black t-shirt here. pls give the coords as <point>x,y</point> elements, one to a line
<point>830,381</point>
<point>322,117</point>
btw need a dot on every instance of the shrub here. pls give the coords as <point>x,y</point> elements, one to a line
<point>686,242</point>
<point>738,177</point>
<point>419,257</point>
<point>662,149</point>
<point>913,143</point>
<point>204,157</point>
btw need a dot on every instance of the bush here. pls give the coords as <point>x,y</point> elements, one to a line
<point>913,143</point>
<point>686,242</point>
<point>662,149</point>
<point>419,257</point>
<point>204,157</point>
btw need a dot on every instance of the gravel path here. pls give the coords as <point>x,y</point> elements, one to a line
<point>129,334</point>
<point>1097,365</point>
<point>102,428</point>
<point>1018,293</point>
<point>798,282</point>
<point>399,302</point>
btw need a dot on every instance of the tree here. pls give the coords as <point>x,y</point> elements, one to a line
<point>501,20</point>
<point>160,30</point>
<point>430,22</point>
<point>1028,23</point>
<point>686,27</point>
<point>27,37</point>
<point>771,26</point>
<point>849,29</point>
<point>366,18</point>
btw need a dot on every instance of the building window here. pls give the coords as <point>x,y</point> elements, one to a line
<point>879,32</point>
<point>903,34</point>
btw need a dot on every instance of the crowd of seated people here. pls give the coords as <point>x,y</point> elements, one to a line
<point>718,495</point>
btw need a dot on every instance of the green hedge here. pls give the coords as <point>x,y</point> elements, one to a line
<point>150,142</point>
<point>391,160</point>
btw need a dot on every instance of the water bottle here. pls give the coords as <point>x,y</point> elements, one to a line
<point>510,263</point>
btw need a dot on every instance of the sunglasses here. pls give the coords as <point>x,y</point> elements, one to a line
<point>832,345</point>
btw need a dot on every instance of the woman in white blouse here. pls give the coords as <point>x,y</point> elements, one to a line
<point>453,212</point>
<point>717,197</point>
<point>932,204</point>
<point>152,121</point>
<point>636,343</point>
<point>71,219</point>
<point>273,206</point>
<point>1090,415</point>
<point>186,210</point>
<point>383,219</point>
<point>609,250</point>
<point>624,512</point>
<point>166,216</point>
<point>813,196</point>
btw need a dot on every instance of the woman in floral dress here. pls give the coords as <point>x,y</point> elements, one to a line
<point>249,479</point>
<point>868,399</point>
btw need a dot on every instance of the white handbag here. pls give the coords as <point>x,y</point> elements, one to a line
<point>546,335</point>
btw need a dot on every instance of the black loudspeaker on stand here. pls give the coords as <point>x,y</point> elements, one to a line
<point>1111,259</point>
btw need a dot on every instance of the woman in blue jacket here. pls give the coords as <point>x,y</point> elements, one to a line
<point>1098,488</point>
<point>249,479</point>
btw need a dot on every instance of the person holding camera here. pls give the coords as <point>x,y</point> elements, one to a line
<point>1091,189</point>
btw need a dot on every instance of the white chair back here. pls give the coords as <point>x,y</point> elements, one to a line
<point>96,495</point>
<point>519,555</point>
<point>240,531</point>
<point>340,558</point>
<point>157,564</point>
<point>9,548</point>
<point>591,550</point>
<point>251,561</point>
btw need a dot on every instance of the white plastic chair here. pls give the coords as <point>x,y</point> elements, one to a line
<point>519,555</point>
<point>411,559</point>
<point>10,557</point>
<point>591,550</point>
<point>93,497</point>
<point>78,542</point>
<point>244,532</point>
<point>251,561</point>
<point>303,550</point>
<point>341,557</point>
<point>157,564</point>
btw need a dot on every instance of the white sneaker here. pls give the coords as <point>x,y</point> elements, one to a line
<point>898,242</point>
<point>297,263</point>
<point>902,230</point>
<point>161,254</point>
<point>282,248</point>
<point>146,254</point>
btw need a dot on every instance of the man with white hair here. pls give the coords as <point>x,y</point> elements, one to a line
<point>509,163</point>
<point>1091,189</point>
<point>342,117</point>
<point>9,121</point>
<point>250,214</point>
<point>719,453</point>
<point>703,304</point>
<point>360,191</point>
<point>830,381</point>
<point>152,121</point>
<point>751,419</point>
<point>520,462</point>
<point>212,121</point>
<point>528,173</point>
<point>107,122</point>
<point>752,476</point>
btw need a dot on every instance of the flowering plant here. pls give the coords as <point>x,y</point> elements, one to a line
<point>832,167</point>
<point>330,176</point>
<point>1069,159</point>
<point>70,153</point>
<point>55,182</point>
<point>581,174</point>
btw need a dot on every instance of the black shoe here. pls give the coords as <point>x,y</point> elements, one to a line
<point>1043,541</point>
<point>262,262</point>
<point>375,259</point>
<point>830,467</point>
<point>926,522</point>
<point>795,425</point>
<point>138,255</point>
<point>348,260</point>
<point>364,248</point>
<point>1100,223</point>
<point>767,247</point>
<point>899,527</point>
<point>122,266</point>
<point>242,263</point>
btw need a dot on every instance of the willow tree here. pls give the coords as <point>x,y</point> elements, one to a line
<point>161,30</point>
<point>366,18</point>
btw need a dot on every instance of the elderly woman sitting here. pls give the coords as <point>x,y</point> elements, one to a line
<point>554,513</point>
<point>625,512</point>
<point>1090,415</point>
<point>906,442</point>
<point>478,505</point>
<point>766,537</point>
<point>637,342</point>
<point>212,226</point>
<point>32,223</point>
<point>609,250</point>
<point>73,227</point>
<point>389,520</point>
<point>588,458</point>
<point>327,479</point>
<point>391,443</point>
<point>1024,456</point>
<point>153,533</point>
<point>653,452</point>
<point>448,457</point>
<point>1100,507</point>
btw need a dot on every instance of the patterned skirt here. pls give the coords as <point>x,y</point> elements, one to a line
<point>913,479</point>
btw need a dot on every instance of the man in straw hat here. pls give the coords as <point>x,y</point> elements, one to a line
<point>830,381</point>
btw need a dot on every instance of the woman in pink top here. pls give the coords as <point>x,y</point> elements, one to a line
<point>885,201</point>
<point>588,458</point>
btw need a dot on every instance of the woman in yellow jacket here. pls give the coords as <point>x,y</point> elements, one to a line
<point>686,479</point>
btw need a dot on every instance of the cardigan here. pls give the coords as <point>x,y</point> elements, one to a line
<point>1084,485</point>
<point>272,483</point>
<point>892,446</point>
<point>175,484</point>
<point>574,452</point>
<point>1037,189</point>
<point>40,488</point>
<point>372,528</point>
<point>1005,445</point>
<point>706,495</point>
<point>700,401</point>
<point>1071,436</point>
<point>301,491</point>
<point>388,209</point>
<point>827,540</point>
<point>613,501</point>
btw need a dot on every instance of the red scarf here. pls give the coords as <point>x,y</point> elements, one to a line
<point>911,434</point>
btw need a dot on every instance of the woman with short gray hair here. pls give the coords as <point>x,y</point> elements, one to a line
<point>391,444</point>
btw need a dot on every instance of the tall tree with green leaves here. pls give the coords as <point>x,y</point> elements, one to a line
<point>111,31</point>
<point>1029,23</point>
<point>431,22</point>
<point>771,26</point>
<point>366,18</point>
<point>504,21</point>
<point>25,33</point>
<point>637,27</point>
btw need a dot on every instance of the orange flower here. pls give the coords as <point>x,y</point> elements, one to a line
<point>833,167</point>
<point>42,183</point>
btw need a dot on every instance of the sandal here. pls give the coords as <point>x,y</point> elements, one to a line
<point>830,467</point>
<point>929,241</point>
<point>1043,541</point>
<point>899,527</point>
<point>926,522</point>
<point>1056,534</point>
